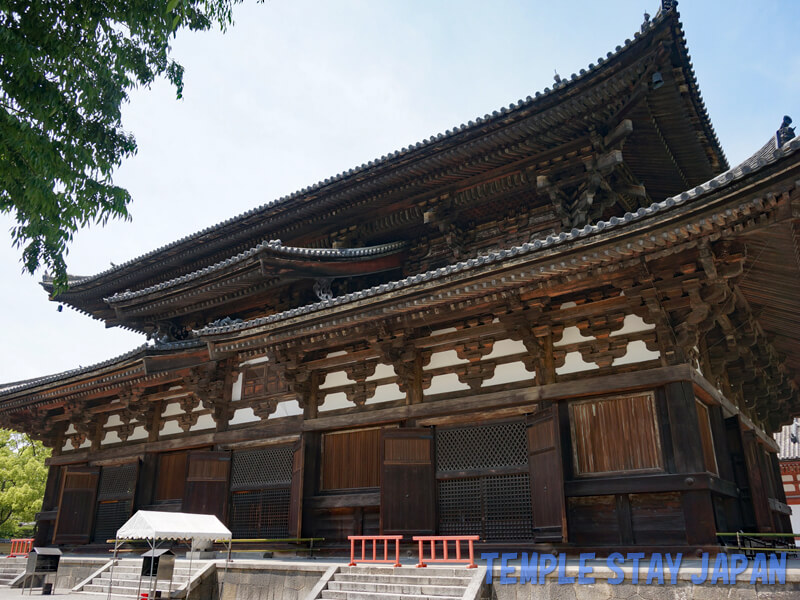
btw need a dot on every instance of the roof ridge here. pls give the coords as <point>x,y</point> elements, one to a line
<point>721,180</point>
<point>494,118</point>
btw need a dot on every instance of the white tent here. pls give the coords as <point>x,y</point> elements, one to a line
<point>149,525</point>
<point>155,525</point>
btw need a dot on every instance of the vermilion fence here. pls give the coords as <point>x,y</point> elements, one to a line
<point>375,558</point>
<point>446,557</point>
<point>20,547</point>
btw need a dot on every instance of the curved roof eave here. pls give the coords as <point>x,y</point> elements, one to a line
<point>373,169</point>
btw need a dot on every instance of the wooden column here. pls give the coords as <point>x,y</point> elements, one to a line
<point>698,508</point>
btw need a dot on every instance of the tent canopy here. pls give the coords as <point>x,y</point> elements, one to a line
<point>148,525</point>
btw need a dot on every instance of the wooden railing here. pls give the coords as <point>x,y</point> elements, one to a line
<point>386,539</point>
<point>446,557</point>
<point>20,547</point>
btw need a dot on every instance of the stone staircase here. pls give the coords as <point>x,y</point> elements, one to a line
<point>10,569</point>
<point>125,580</point>
<point>408,583</point>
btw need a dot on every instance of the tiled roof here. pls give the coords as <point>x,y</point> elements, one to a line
<point>274,247</point>
<point>765,156</point>
<point>788,449</point>
<point>137,352</point>
<point>497,119</point>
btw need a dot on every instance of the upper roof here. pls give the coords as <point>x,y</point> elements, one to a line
<point>766,156</point>
<point>685,128</point>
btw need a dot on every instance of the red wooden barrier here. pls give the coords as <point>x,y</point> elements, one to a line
<point>457,539</point>
<point>375,539</point>
<point>20,547</point>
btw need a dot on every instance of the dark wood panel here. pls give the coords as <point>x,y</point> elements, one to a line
<point>616,435</point>
<point>171,477</point>
<point>706,437</point>
<point>657,518</point>
<point>351,459</point>
<point>593,521</point>
<point>296,491</point>
<point>546,475</point>
<point>76,505</point>
<point>408,497</point>
<point>206,490</point>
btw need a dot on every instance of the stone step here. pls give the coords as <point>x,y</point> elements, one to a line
<point>347,595</point>
<point>385,587</point>
<point>125,590</point>
<point>116,575</point>
<point>430,571</point>
<point>422,579</point>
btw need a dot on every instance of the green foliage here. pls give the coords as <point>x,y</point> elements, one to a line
<point>65,70</point>
<point>22,480</point>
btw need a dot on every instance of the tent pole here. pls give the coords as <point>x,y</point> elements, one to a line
<point>111,571</point>
<point>152,561</point>
<point>225,574</point>
<point>189,584</point>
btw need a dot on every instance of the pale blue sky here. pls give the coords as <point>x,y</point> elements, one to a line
<point>298,91</point>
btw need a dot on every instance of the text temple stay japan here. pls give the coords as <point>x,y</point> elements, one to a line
<point>568,324</point>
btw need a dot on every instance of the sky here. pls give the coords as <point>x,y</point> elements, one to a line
<point>299,91</point>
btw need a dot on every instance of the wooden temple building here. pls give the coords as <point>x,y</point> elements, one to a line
<point>567,324</point>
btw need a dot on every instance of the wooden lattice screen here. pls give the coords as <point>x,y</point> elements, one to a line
<point>473,499</point>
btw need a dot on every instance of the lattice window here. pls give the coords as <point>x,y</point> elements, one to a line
<point>260,381</point>
<point>493,507</point>
<point>509,514</point>
<point>481,447</point>
<point>263,467</point>
<point>117,482</point>
<point>111,516</point>
<point>460,507</point>
<point>260,513</point>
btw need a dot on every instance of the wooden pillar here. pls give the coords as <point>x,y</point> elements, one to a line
<point>698,507</point>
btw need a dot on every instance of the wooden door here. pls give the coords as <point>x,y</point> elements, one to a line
<point>76,505</point>
<point>115,495</point>
<point>758,489</point>
<point>547,476</point>
<point>408,498</point>
<point>206,490</point>
<point>296,491</point>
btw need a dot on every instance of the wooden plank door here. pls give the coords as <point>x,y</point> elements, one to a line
<point>206,490</point>
<point>758,489</point>
<point>408,497</point>
<point>547,476</point>
<point>76,505</point>
<point>296,491</point>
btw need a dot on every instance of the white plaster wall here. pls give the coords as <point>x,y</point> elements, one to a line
<point>111,437</point>
<point>335,354</point>
<point>287,408</point>
<point>335,402</point>
<point>70,429</point>
<point>509,373</point>
<point>568,305</point>
<point>204,422</point>
<point>171,409</point>
<point>138,434</point>
<point>636,352</point>
<point>113,420</point>
<point>506,347</point>
<point>236,389</point>
<point>243,415</point>
<point>382,371</point>
<point>386,393</point>
<point>573,363</point>
<point>795,519</point>
<point>447,358</point>
<point>572,335</point>
<point>170,428</point>
<point>633,324</point>
<point>334,379</point>
<point>441,384</point>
